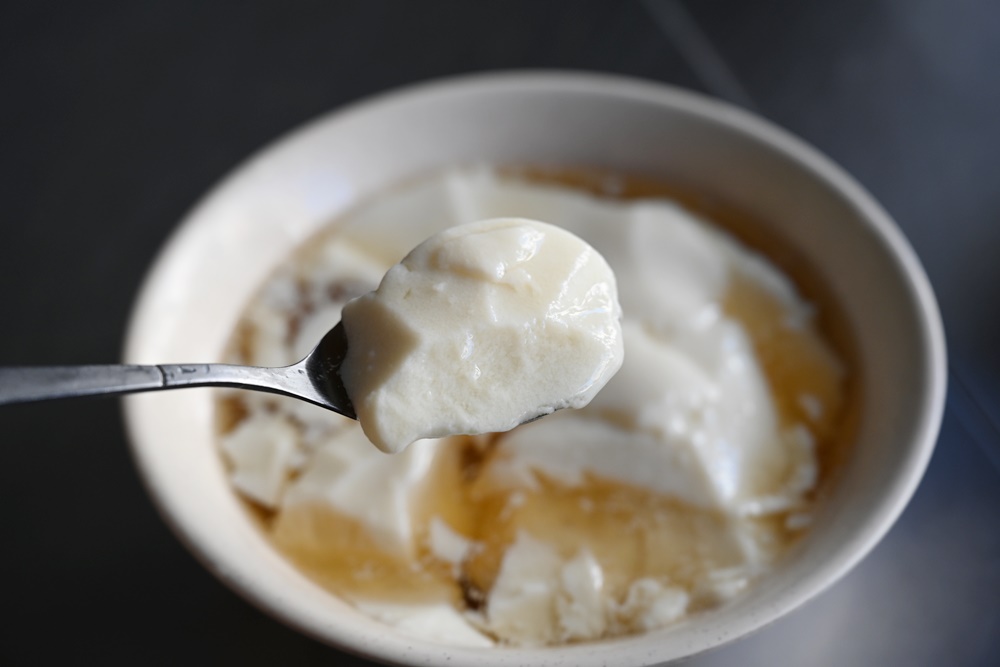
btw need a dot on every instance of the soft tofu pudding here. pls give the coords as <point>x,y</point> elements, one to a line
<point>480,328</point>
<point>681,483</point>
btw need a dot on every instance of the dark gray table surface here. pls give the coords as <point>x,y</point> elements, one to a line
<point>116,116</point>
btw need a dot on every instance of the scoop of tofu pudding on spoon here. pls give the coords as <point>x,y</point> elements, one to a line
<point>479,328</point>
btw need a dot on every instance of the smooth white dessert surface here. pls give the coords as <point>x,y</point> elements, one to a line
<point>480,328</point>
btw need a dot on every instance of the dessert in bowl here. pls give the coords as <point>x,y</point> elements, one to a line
<point>684,480</point>
<point>795,208</point>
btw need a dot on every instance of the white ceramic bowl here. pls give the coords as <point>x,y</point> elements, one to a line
<point>252,221</point>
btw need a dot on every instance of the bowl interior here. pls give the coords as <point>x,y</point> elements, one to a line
<point>254,219</point>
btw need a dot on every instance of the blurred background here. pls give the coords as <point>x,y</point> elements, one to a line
<point>117,116</point>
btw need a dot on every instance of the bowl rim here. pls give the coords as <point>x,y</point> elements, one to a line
<point>805,157</point>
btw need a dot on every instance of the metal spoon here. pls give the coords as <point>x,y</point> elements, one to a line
<point>315,379</point>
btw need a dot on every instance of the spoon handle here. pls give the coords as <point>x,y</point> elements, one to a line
<point>22,384</point>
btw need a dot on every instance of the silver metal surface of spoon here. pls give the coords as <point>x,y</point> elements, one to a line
<point>315,379</point>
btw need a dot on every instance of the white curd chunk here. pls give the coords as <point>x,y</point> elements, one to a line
<point>346,474</point>
<point>480,328</point>
<point>262,453</point>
